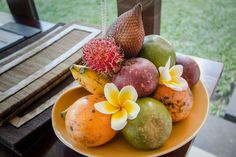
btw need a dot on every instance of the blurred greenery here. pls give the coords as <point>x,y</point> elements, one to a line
<point>206,29</point>
<point>3,6</point>
<point>203,28</point>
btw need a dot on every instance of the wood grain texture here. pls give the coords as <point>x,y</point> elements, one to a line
<point>40,47</point>
<point>19,121</point>
<point>27,48</point>
<point>13,137</point>
<point>32,97</point>
<point>20,84</point>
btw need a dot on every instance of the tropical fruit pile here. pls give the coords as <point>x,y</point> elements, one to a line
<point>138,86</point>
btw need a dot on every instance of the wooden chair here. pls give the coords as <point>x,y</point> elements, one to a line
<point>24,9</point>
<point>151,13</point>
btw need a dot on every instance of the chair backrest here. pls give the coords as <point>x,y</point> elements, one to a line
<point>151,13</point>
<point>24,9</point>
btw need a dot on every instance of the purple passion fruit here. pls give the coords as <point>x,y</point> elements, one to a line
<point>140,73</point>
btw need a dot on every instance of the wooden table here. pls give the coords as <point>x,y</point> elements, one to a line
<point>49,145</point>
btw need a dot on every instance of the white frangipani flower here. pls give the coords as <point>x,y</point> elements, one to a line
<point>171,77</point>
<point>121,104</point>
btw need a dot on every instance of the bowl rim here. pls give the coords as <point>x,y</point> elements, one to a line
<point>60,137</point>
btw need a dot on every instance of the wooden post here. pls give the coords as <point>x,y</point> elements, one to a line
<point>24,9</point>
<point>151,13</point>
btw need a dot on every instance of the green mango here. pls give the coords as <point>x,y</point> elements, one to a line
<point>158,50</point>
<point>151,128</point>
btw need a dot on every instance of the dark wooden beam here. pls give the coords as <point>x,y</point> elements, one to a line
<point>23,9</point>
<point>151,13</point>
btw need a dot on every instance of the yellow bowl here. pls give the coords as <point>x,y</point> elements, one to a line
<point>182,131</point>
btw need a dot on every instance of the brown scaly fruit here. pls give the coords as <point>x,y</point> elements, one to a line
<point>128,31</point>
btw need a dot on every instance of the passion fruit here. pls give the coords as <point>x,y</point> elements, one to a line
<point>191,70</point>
<point>140,73</point>
<point>151,128</point>
<point>179,103</point>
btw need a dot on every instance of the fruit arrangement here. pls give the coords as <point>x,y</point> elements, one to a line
<point>139,87</point>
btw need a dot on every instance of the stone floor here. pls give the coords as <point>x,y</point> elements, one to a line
<point>197,152</point>
<point>231,109</point>
<point>218,136</point>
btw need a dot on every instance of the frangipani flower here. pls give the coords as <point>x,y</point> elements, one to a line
<point>121,104</point>
<point>171,77</point>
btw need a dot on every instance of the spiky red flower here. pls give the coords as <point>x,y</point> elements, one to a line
<point>103,55</point>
